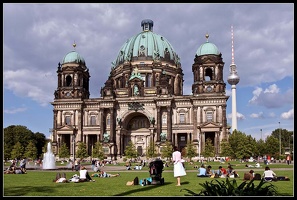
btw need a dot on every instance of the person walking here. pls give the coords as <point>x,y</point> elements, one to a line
<point>178,168</point>
<point>288,158</point>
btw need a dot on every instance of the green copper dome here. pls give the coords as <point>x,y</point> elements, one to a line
<point>73,56</point>
<point>207,48</point>
<point>146,45</point>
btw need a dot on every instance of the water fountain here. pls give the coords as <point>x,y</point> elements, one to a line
<point>49,161</point>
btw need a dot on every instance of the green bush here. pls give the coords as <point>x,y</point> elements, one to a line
<point>230,188</point>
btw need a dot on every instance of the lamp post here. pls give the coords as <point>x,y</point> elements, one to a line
<point>280,141</point>
<point>261,134</point>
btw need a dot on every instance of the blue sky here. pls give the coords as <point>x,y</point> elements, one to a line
<point>38,35</point>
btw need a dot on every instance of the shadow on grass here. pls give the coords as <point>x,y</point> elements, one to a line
<point>23,190</point>
<point>146,188</point>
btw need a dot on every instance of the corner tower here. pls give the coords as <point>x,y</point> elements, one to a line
<point>73,77</point>
<point>208,70</point>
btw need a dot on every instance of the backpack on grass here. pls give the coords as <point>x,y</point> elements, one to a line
<point>257,176</point>
<point>136,180</point>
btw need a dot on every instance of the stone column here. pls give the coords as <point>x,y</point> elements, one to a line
<point>112,134</point>
<point>175,140</point>
<point>118,140</point>
<point>202,141</point>
<point>188,137</point>
<point>159,118</point>
<point>195,124</point>
<point>169,124</point>
<point>102,118</point>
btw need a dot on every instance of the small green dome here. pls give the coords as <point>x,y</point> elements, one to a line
<point>207,48</point>
<point>73,56</point>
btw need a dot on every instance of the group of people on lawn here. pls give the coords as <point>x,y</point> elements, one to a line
<point>220,173</point>
<point>84,176</point>
<point>14,169</point>
<point>268,174</point>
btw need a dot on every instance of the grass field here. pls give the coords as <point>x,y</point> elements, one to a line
<point>40,183</point>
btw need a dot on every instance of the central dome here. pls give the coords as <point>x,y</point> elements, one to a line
<point>148,45</point>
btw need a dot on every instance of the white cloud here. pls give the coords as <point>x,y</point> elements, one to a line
<point>239,116</point>
<point>257,115</point>
<point>14,110</point>
<point>288,115</point>
<point>272,89</point>
<point>256,94</point>
<point>271,97</point>
<point>271,114</point>
<point>32,84</point>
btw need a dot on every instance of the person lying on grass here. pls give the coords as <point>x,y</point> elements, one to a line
<point>103,174</point>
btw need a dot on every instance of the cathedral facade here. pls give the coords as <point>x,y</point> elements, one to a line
<point>142,99</point>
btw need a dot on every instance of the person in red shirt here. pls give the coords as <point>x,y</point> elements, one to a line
<point>222,172</point>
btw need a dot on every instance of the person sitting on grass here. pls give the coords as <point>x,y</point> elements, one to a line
<point>209,172</point>
<point>202,171</point>
<point>248,176</point>
<point>269,175</point>
<point>231,173</point>
<point>222,172</point>
<point>11,169</point>
<point>84,175</point>
<point>20,171</point>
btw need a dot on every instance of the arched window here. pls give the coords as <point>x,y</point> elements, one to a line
<point>208,74</point>
<point>93,120</point>
<point>68,80</point>
<point>164,119</point>
<point>68,120</point>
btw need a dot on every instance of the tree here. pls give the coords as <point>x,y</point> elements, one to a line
<point>31,150</point>
<point>21,134</point>
<point>166,151</point>
<point>190,151</point>
<point>130,150</point>
<point>64,151</point>
<point>286,137</point>
<point>97,151</point>
<point>261,147</point>
<point>272,146</point>
<point>17,151</point>
<point>40,142</point>
<point>209,150</point>
<point>151,151</point>
<point>243,146</point>
<point>226,149</point>
<point>81,151</point>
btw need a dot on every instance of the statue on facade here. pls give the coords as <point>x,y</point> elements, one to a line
<point>136,90</point>
<point>163,136</point>
<point>105,137</point>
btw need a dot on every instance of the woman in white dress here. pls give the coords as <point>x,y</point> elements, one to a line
<point>178,168</point>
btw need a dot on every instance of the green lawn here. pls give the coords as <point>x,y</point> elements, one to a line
<point>40,183</point>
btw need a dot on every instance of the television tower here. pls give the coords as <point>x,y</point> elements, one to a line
<point>233,79</point>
